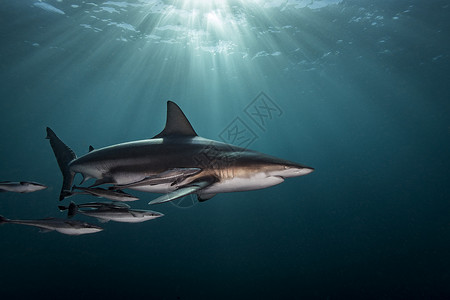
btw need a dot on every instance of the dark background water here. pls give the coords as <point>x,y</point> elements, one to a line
<point>363,91</point>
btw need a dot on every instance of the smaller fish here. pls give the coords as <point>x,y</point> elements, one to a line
<point>103,204</point>
<point>73,208</point>
<point>69,227</point>
<point>21,187</point>
<point>111,212</point>
<point>173,176</point>
<point>115,195</point>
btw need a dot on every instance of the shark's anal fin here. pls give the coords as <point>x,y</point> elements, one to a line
<point>190,188</point>
<point>176,123</point>
<point>91,148</point>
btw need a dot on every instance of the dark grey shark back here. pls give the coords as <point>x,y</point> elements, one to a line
<point>176,123</point>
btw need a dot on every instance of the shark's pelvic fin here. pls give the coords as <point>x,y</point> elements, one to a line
<point>176,123</point>
<point>204,197</point>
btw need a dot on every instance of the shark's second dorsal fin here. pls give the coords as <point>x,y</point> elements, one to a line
<point>176,123</point>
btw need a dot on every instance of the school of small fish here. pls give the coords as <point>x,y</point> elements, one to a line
<point>104,211</point>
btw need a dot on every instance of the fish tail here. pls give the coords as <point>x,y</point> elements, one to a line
<point>64,155</point>
<point>62,208</point>
<point>3,220</point>
<point>73,209</point>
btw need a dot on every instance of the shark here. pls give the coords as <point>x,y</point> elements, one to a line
<point>176,162</point>
<point>21,186</point>
<point>69,227</point>
<point>105,212</point>
<point>114,195</point>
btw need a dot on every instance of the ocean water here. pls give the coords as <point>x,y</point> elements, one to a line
<point>359,90</point>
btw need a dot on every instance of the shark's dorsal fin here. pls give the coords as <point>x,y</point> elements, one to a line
<point>176,123</point>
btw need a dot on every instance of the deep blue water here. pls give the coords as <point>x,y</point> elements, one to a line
<point>361,91</point>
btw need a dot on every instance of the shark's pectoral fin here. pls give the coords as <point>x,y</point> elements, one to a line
<point>190,188</point>
<point>136,214</point>
<point>175,194</point>
<point>204,197</point>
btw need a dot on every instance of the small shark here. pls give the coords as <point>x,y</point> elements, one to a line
<point>175,150</point>
<point>70,227</point>
<point>102,204</point>
<point>109,212</point>
<point>172,176</point>
<point>73,208</point>
<point>104,193</point>
<point>21,187</point>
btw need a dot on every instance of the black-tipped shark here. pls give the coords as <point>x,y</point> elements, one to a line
<point>70,227</point>
<point>176,162</point>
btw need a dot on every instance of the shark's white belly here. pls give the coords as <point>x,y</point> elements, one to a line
<point>74,231</point>
<point>238,184</point>
<point>129,219</point>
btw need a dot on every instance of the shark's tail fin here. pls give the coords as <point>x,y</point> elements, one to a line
<point>73,209</point>
<point>64,155</point>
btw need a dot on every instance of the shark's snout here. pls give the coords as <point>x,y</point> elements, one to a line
<point>295,171</point>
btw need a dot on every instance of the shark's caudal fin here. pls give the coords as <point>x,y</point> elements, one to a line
<point>176,123</point>
<point>72,209</point>
<point>64,155</point>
